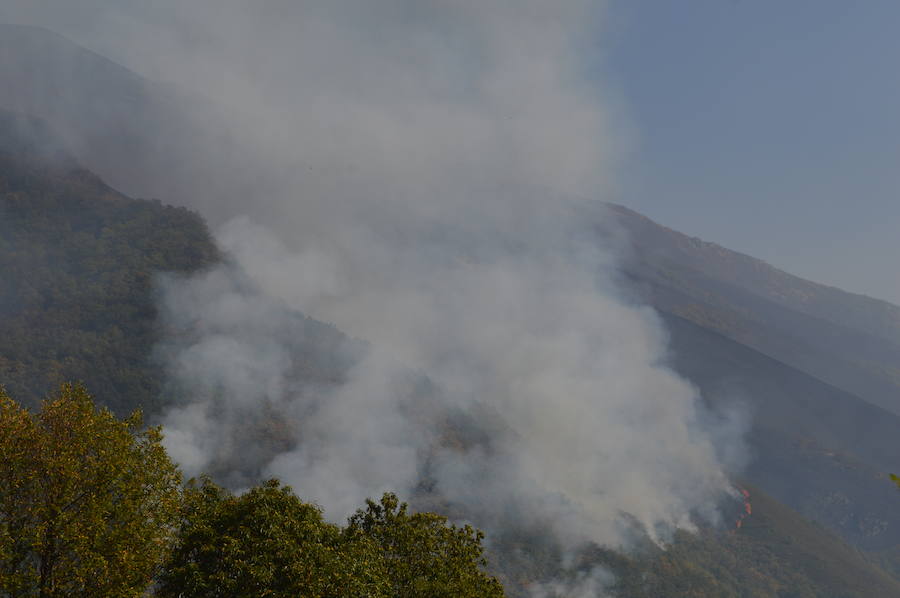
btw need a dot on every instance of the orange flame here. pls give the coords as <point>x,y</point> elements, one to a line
<point>748,508</point>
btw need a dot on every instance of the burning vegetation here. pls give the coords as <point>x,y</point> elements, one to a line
<point>748,508</point>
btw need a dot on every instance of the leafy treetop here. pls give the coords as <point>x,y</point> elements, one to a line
<point>87,501</point>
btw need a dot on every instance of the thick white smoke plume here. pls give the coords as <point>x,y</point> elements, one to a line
<point>588,584</point>
<point>413,171</point>
<point>424,162</point>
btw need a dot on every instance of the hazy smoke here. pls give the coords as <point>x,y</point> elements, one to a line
<point>429,157</point>
<point>417,172</point>
<point>589,584</point>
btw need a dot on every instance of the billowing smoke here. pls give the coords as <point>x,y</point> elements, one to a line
<point>587,584</point>
<point>593,423</point>
<point>415,172</point>
<point>439,153</point>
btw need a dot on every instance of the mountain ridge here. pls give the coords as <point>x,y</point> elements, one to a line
<point>778,285</point>
<point>822,438</point>
<point>703,289</point>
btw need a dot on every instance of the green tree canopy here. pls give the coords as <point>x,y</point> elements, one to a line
<point>270,543</point>
<point>266,542</point>
<point>77,265</point>
<point>91,505</point>
<point>425,556</point>
<point>88,502</point>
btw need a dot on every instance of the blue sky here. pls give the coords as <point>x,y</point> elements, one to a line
<point>770,127</point>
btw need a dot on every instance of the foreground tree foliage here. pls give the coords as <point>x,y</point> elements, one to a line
<point>91,505</point>
<point>425,557</point>
<point>266,542</point>
<point>88,502</point>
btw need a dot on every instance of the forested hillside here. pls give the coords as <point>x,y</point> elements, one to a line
<point>78,260</point>
<point>810,364</point>
<point>775,553</point>
<point>813,369</point>
<point>142,137</point>
<point>92,505</point>
<point>103,111</point>
<point>850,341</point>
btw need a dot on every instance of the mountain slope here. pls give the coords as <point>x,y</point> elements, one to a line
<point>142,137</point>
<point>859,312</point>
<point>816,385</point>
<point>849,341</point>
<point>145,138</point>
<point>812,363</point>
<point>775,553</point>
<point>78,259</point>
<point>817,448</point>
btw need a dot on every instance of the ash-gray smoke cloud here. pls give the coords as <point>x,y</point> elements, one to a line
<point>414,171</point>
<point>429,159</point>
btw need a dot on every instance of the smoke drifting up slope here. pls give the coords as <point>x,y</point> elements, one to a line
<point>420,162</point>
<point>417,167</point>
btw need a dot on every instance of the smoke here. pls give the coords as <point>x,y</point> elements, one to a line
<point>414,172</point>
<point>587,584</point>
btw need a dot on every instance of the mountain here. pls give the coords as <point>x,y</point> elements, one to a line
<point>817,448</point>
<point>775,553</point>
<point>99,108</point>
<point>804,359</point>
<point>143,137</point>
<point>850,341</point>
<point>815,369</point>
<point>77,260</point>
<point>150,140</point>
<point>81,257</point>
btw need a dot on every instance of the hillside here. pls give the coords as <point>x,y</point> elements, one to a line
<point>96,106</point>
<point>816,369</point>
<point>143,137</point>
<point>82,257</point>
<point>800,358</point>
<point>814,447</point>
<point>78,259</point>
<point>775,553</point>
<point>847,340</point>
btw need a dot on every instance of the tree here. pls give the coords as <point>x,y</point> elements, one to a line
<point>425,557</point>
<point>87,501</point>
<point>266,542</point>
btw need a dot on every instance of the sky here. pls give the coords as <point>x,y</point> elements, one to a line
<point>769,127</point>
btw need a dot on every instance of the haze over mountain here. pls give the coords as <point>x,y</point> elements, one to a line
<point>78,260</point>
<point>105,114</point>
<point>849,340</point>
<point>810,371</point>
<point>773,552</point>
